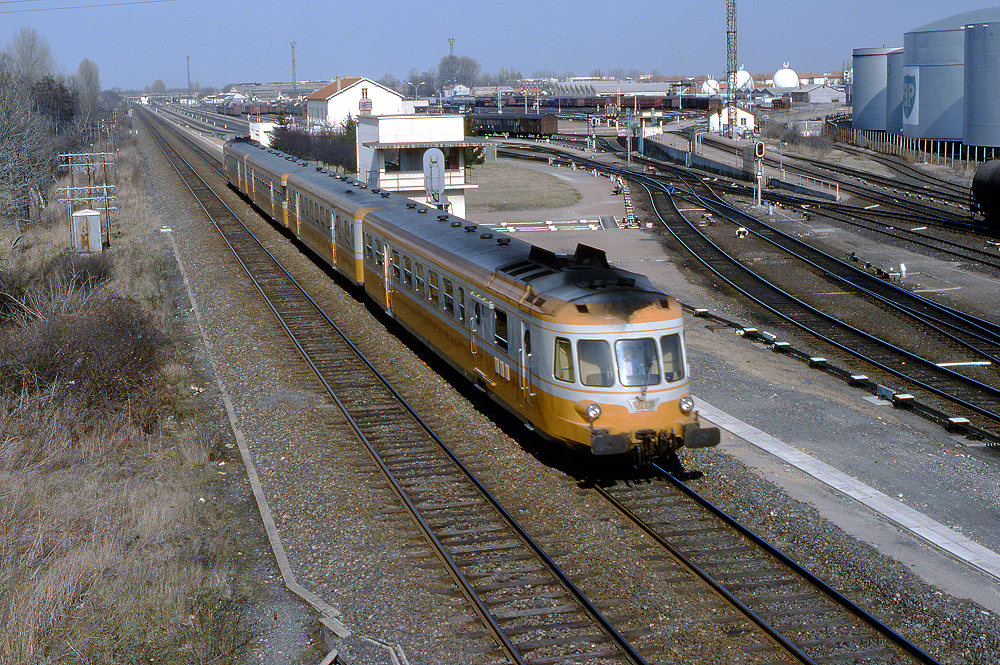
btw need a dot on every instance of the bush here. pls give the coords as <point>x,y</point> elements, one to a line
<point>102,355</point>
<point>783,132</point>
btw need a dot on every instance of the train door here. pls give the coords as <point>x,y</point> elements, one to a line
<point>478,339</point>
<point>383,249</point>
<point>525,365</point>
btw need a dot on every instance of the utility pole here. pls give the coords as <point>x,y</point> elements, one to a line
<point>731,63</point>
<point>451,47</point>
<point>189,75</point>
<point>295,85</point>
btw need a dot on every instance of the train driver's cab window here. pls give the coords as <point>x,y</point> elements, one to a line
<point>477,316</point>
<point>594,357</point>
<point>563,365</point>
<point>638,362</point>
<point>673,357</point>
<point>500,329</point>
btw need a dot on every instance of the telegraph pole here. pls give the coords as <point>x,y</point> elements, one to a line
<point>189,74</point>
<point>295,85</point>
<point>731,63</point>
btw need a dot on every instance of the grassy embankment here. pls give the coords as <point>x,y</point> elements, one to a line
<point>111,549</point>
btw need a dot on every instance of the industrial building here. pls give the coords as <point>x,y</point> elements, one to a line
<point>942,85</point>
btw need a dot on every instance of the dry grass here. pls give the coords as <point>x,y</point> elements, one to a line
<point>110,546</point>
<point>504,187</point>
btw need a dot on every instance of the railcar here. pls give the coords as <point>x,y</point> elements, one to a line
<point>538,125</point>
<point>584,353</point>
<point>986,194</point>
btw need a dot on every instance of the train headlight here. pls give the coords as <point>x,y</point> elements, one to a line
<point>686,403</point>
<point>592,412</point>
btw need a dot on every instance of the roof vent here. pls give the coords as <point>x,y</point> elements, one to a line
<point>411,206</point>
<point>363,186</point>
<point>384,195</point>
<point>485,236</point>
<point>348,191</point>
<point>421,210</point>
<point>470,228</point>
<point>376,190</point>
<point>456,224</point>
<point>503,241</point>
<point>443,218</point>
<point>626,281</point>
<point>319,168</point>
<point>597,283</point>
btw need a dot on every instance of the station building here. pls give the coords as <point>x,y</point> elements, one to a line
<point>329,107</point>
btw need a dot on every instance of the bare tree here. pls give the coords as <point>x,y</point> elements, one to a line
<point>88,83</point>
<point>25,153</point>
<point>30,55</point>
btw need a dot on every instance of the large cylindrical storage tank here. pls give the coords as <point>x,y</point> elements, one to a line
<point>934,75</point>
<point>982,84</point>
<point>894,92</point>
<point>870,68</point>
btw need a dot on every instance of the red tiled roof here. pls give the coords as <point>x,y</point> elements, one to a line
<point>329,91</point>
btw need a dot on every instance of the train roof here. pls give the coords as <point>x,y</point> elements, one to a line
<point>582,278</point>
<point>524,272</point>
<point>342,191</point>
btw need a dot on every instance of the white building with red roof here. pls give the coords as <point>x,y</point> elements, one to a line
<point>352,96</point>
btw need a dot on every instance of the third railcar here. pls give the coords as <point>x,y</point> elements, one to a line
<point>584,353</point>
<point>525,125</point>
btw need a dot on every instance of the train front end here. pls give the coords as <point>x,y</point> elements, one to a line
<point>620,379</point>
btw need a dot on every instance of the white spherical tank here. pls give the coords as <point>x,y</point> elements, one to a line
<point>786,77</point>
<point>744,81</point>
<point>710,87</point>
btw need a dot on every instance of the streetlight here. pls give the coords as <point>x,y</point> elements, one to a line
<point>415,87</point>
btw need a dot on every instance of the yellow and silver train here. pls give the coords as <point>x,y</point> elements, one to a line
<point>582,352</point>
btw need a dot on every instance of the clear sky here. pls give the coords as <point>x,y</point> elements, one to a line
<point>134,44</point>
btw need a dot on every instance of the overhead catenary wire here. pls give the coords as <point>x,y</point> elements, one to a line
<point>91,6</point>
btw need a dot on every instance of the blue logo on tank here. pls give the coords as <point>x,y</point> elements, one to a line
<point>909,94</point>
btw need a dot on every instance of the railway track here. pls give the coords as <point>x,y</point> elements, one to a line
<point>531,607</point>
<point>534,611</point>
<point>880,189</point>
<point>972,398</point>
<point>805,613</point>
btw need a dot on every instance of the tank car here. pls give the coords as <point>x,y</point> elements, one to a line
<point>582,352</point>
<point>986,194</point>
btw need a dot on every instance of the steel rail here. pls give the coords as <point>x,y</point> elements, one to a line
<point>855,609</point>
<point>466,586</point>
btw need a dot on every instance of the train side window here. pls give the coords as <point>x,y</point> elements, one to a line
<point>418,274</point>
<point>527,341</point>
<point>563,366</point>
<point>395,264</point>
<point>500,329</point>
<point>449,296</point>
<point>380,255</point>
<point>477,315</point>
<point>673,358</point>
<point>594,358</point>
<point>369,249</point>
<point>432,287</point>
<point>407,273</point>
<point>461,305</point>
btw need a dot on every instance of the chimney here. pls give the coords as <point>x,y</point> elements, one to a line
<point>338,83</point>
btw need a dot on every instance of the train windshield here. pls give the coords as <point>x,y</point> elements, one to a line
<point>638,362</point>
<point>673,357</point>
